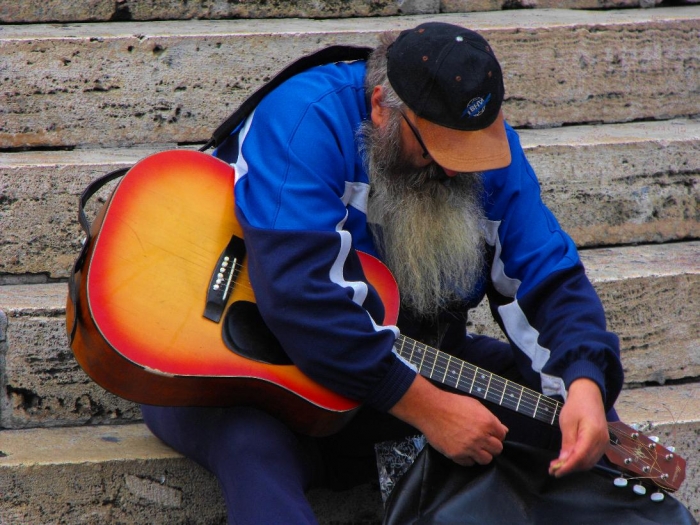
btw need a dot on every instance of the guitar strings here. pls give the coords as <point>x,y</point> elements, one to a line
<point>483,382</point>
<point>651,455</point>
<point>438,364</point>
<point>645,451</point>
<point>442,364</point>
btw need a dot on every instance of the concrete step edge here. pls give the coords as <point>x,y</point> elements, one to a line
<point>159,479</point>
<point>678,130</point>
<point>528,19</point>
<point>602,265</point>
<point>644,407</point>
<point>611,184</point>
<point>651,406</point>
<point>34,11</point>
<point>120,84</point>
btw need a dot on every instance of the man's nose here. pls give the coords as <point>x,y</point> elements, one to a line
<point>450,173</point>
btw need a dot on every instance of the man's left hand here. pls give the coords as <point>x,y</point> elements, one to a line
<point>584,429</point>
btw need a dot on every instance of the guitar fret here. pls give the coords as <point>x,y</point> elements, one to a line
<point>464,378</point>
<point>420,366</point>
<point>442,367</point>
<point>413,349</point>
<point>447,366</point>
<point>493,389</point>
<point>432,369</point>
<point>425,362</point>
<point>454,374</point>
<point>483,389</point>
<point>528,405</point>
<point>546,412</point>
<point>431,357</point>
<point>471,387</point>
<point>509,400</point>
<point>552,409</point>
<point>479,389</point>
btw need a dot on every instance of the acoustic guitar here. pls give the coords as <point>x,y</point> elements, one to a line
<point>164,264</point>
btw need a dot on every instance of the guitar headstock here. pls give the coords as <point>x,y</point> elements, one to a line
<point>643,458</point>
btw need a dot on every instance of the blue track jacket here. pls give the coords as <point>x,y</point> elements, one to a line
<point>301,198</point>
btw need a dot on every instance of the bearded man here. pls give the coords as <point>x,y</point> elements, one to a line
<point>407,157</point>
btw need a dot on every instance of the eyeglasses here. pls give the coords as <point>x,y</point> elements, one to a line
<point>426,154</point>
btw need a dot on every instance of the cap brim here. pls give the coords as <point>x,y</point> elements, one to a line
<point>467,151</point>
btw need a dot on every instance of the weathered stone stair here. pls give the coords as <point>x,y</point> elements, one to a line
<point>607,103</point>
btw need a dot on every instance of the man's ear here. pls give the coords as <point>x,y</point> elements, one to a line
<point>380,114</point>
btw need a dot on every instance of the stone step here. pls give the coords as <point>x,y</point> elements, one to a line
<point>649,293</point>
<point>608,185</point>
<point>143,82</point>
<point>122,474</point>
<point>39,11</point>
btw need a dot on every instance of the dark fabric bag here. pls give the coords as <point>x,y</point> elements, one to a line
<point>516,489</point>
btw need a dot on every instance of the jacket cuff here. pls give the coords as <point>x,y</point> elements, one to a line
<point>582,368</point>
<point>392,388</point>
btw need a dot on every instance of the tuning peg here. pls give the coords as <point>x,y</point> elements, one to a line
<point>657,497</point>
<point>620,482</point>
<point>640,489</point>
<point>671,449</point>
<point>655,439</point>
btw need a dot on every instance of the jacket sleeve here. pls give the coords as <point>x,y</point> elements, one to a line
<point>309,286</point>
<point>539,292</point>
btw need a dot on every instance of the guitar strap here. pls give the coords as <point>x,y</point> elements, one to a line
<point>327,55</point>
<point>324,56</point>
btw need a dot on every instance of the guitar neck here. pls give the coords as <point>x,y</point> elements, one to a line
<point>477,382</point>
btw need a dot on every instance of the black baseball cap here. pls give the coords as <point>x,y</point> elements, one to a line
<point>449,77</point>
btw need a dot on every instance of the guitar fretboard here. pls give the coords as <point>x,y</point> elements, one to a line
<point>465,377</point>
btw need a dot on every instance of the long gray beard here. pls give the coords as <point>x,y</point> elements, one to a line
<point>427,228</point>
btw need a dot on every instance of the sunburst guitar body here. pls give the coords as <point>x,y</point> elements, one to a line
<point>143,292</point>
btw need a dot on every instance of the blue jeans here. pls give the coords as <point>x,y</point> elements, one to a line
<point>264,468</point>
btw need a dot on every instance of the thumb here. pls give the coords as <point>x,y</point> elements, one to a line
<point>567,446</point>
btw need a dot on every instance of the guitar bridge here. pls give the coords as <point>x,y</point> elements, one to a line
<point>223,278</point>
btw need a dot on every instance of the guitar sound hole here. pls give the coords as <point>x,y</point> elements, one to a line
<point>246,334</point>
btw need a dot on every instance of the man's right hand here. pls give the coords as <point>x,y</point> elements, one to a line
<point>457,426</point>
